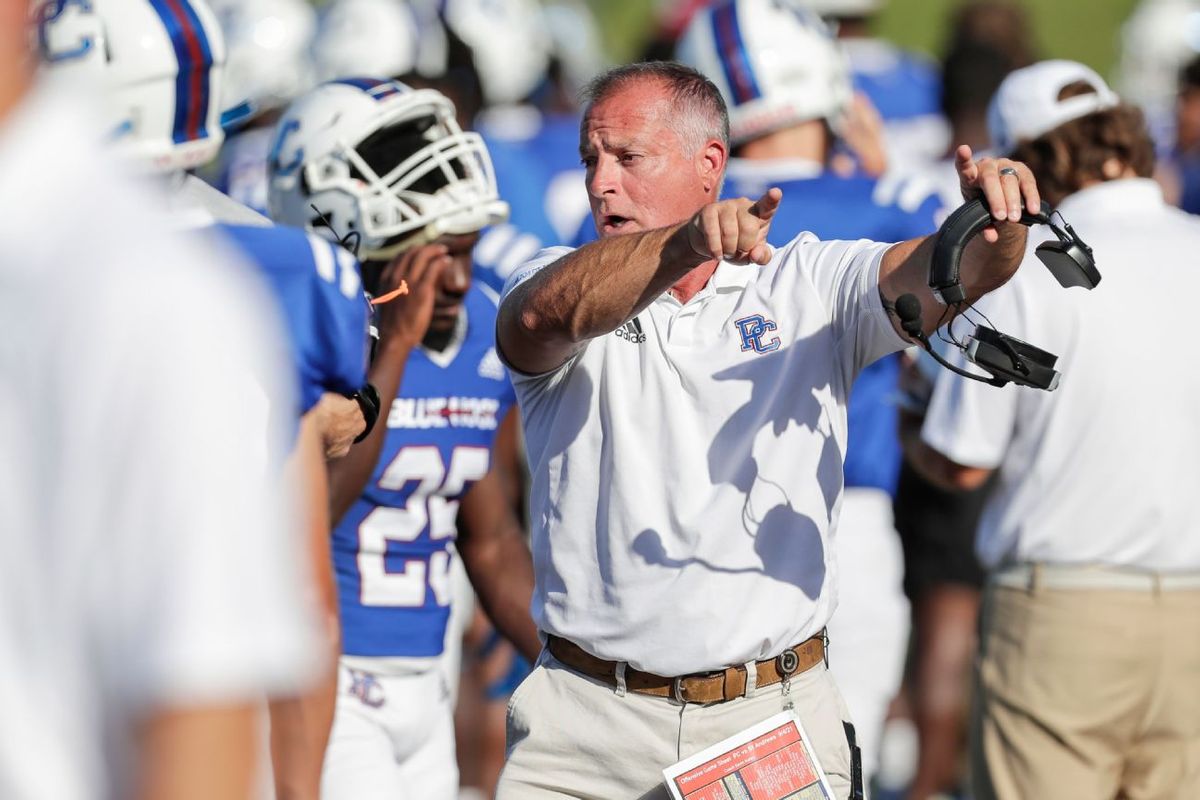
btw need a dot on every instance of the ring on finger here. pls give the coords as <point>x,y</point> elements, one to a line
<point>1008,171</point>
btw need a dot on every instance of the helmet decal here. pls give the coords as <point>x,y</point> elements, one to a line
<point>727,33</point>
<point>195,61</point>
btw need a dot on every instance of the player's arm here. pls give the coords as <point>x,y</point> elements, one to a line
<point>988,261</point>
<point>402,325</point>
<point>595,289</point>
<point>932,464</point>
<point>300,724</point>
<point>492,544</point>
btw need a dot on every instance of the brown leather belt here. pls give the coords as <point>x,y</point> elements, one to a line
<point>710,687</point>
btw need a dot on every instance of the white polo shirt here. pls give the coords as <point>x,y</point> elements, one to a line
<point>1105,469</point>
<point>687,467</point>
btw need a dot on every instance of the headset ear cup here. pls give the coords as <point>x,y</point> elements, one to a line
<point>1069,262</point>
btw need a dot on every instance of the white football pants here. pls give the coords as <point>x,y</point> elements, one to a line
<point>868,635</point>
<point>393,738</point>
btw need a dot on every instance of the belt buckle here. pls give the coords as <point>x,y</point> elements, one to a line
<point>787,663</point>
<point>677,690</point>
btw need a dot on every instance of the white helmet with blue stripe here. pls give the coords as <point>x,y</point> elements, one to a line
<point>381,160</point>
<point>775,64</point>
<point>155,63</point>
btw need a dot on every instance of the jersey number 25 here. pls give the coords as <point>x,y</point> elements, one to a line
<point>433,504</point>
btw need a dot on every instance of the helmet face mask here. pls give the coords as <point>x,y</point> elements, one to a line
<point>384,161</point>
<point>157,67</point>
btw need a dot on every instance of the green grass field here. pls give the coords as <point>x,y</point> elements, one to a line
<point>1083,30</point>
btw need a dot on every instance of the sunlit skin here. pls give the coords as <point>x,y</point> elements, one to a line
<point>340,420</point>
<point>639,174</point>
<point>16,67</point>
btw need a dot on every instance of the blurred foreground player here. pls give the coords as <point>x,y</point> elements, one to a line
<point>138,626</point>
<point>387,166</point>
<point>159,71</point>
<point>1089,666</point>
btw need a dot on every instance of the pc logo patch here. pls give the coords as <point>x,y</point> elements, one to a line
<point>752,329</point>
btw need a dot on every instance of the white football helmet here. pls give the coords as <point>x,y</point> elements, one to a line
<point>776,65</point>
<point>841,8</point>
<point>509,41</point>
<point>1157,40</point>
<point>366,37</point>
<point>269,43</point>
<point>157,65</point>
<point>575,40</point>
<point>382,160</point>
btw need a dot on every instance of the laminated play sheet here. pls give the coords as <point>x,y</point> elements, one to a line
<point>772,760</point>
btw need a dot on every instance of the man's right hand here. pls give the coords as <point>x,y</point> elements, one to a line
<point>734,230</point>
<point>406,318</point>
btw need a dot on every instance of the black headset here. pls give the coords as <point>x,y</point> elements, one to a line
<point>1006,358</point>
<point>1069,259</point>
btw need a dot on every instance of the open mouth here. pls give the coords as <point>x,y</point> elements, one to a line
<point>614,223</point>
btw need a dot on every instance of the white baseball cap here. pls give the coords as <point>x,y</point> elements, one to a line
<point>1026,105</point>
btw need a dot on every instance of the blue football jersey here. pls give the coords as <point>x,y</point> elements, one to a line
<point>852,208</point>
<point>319,289</point>
<point>392,550</point>
<point>501,249</point>
<point>536,159</point>
<point>242,171</point>
<point>906,90</point>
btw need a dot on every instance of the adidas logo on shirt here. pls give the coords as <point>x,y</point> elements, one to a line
<point>631,331</point>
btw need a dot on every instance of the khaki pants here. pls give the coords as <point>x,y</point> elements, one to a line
<point>571,736</point>
<point>1089,694</point>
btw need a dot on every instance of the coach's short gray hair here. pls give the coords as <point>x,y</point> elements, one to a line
<point>700,111</point>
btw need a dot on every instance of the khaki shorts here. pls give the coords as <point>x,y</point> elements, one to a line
<point>1087,693</point>
<point>574,736</point>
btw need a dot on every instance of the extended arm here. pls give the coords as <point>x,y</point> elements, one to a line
<point>492,544</point>
<point>596,288</point>
<point>988,261</point>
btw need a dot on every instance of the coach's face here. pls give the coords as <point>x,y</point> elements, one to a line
<point>639,174</point>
